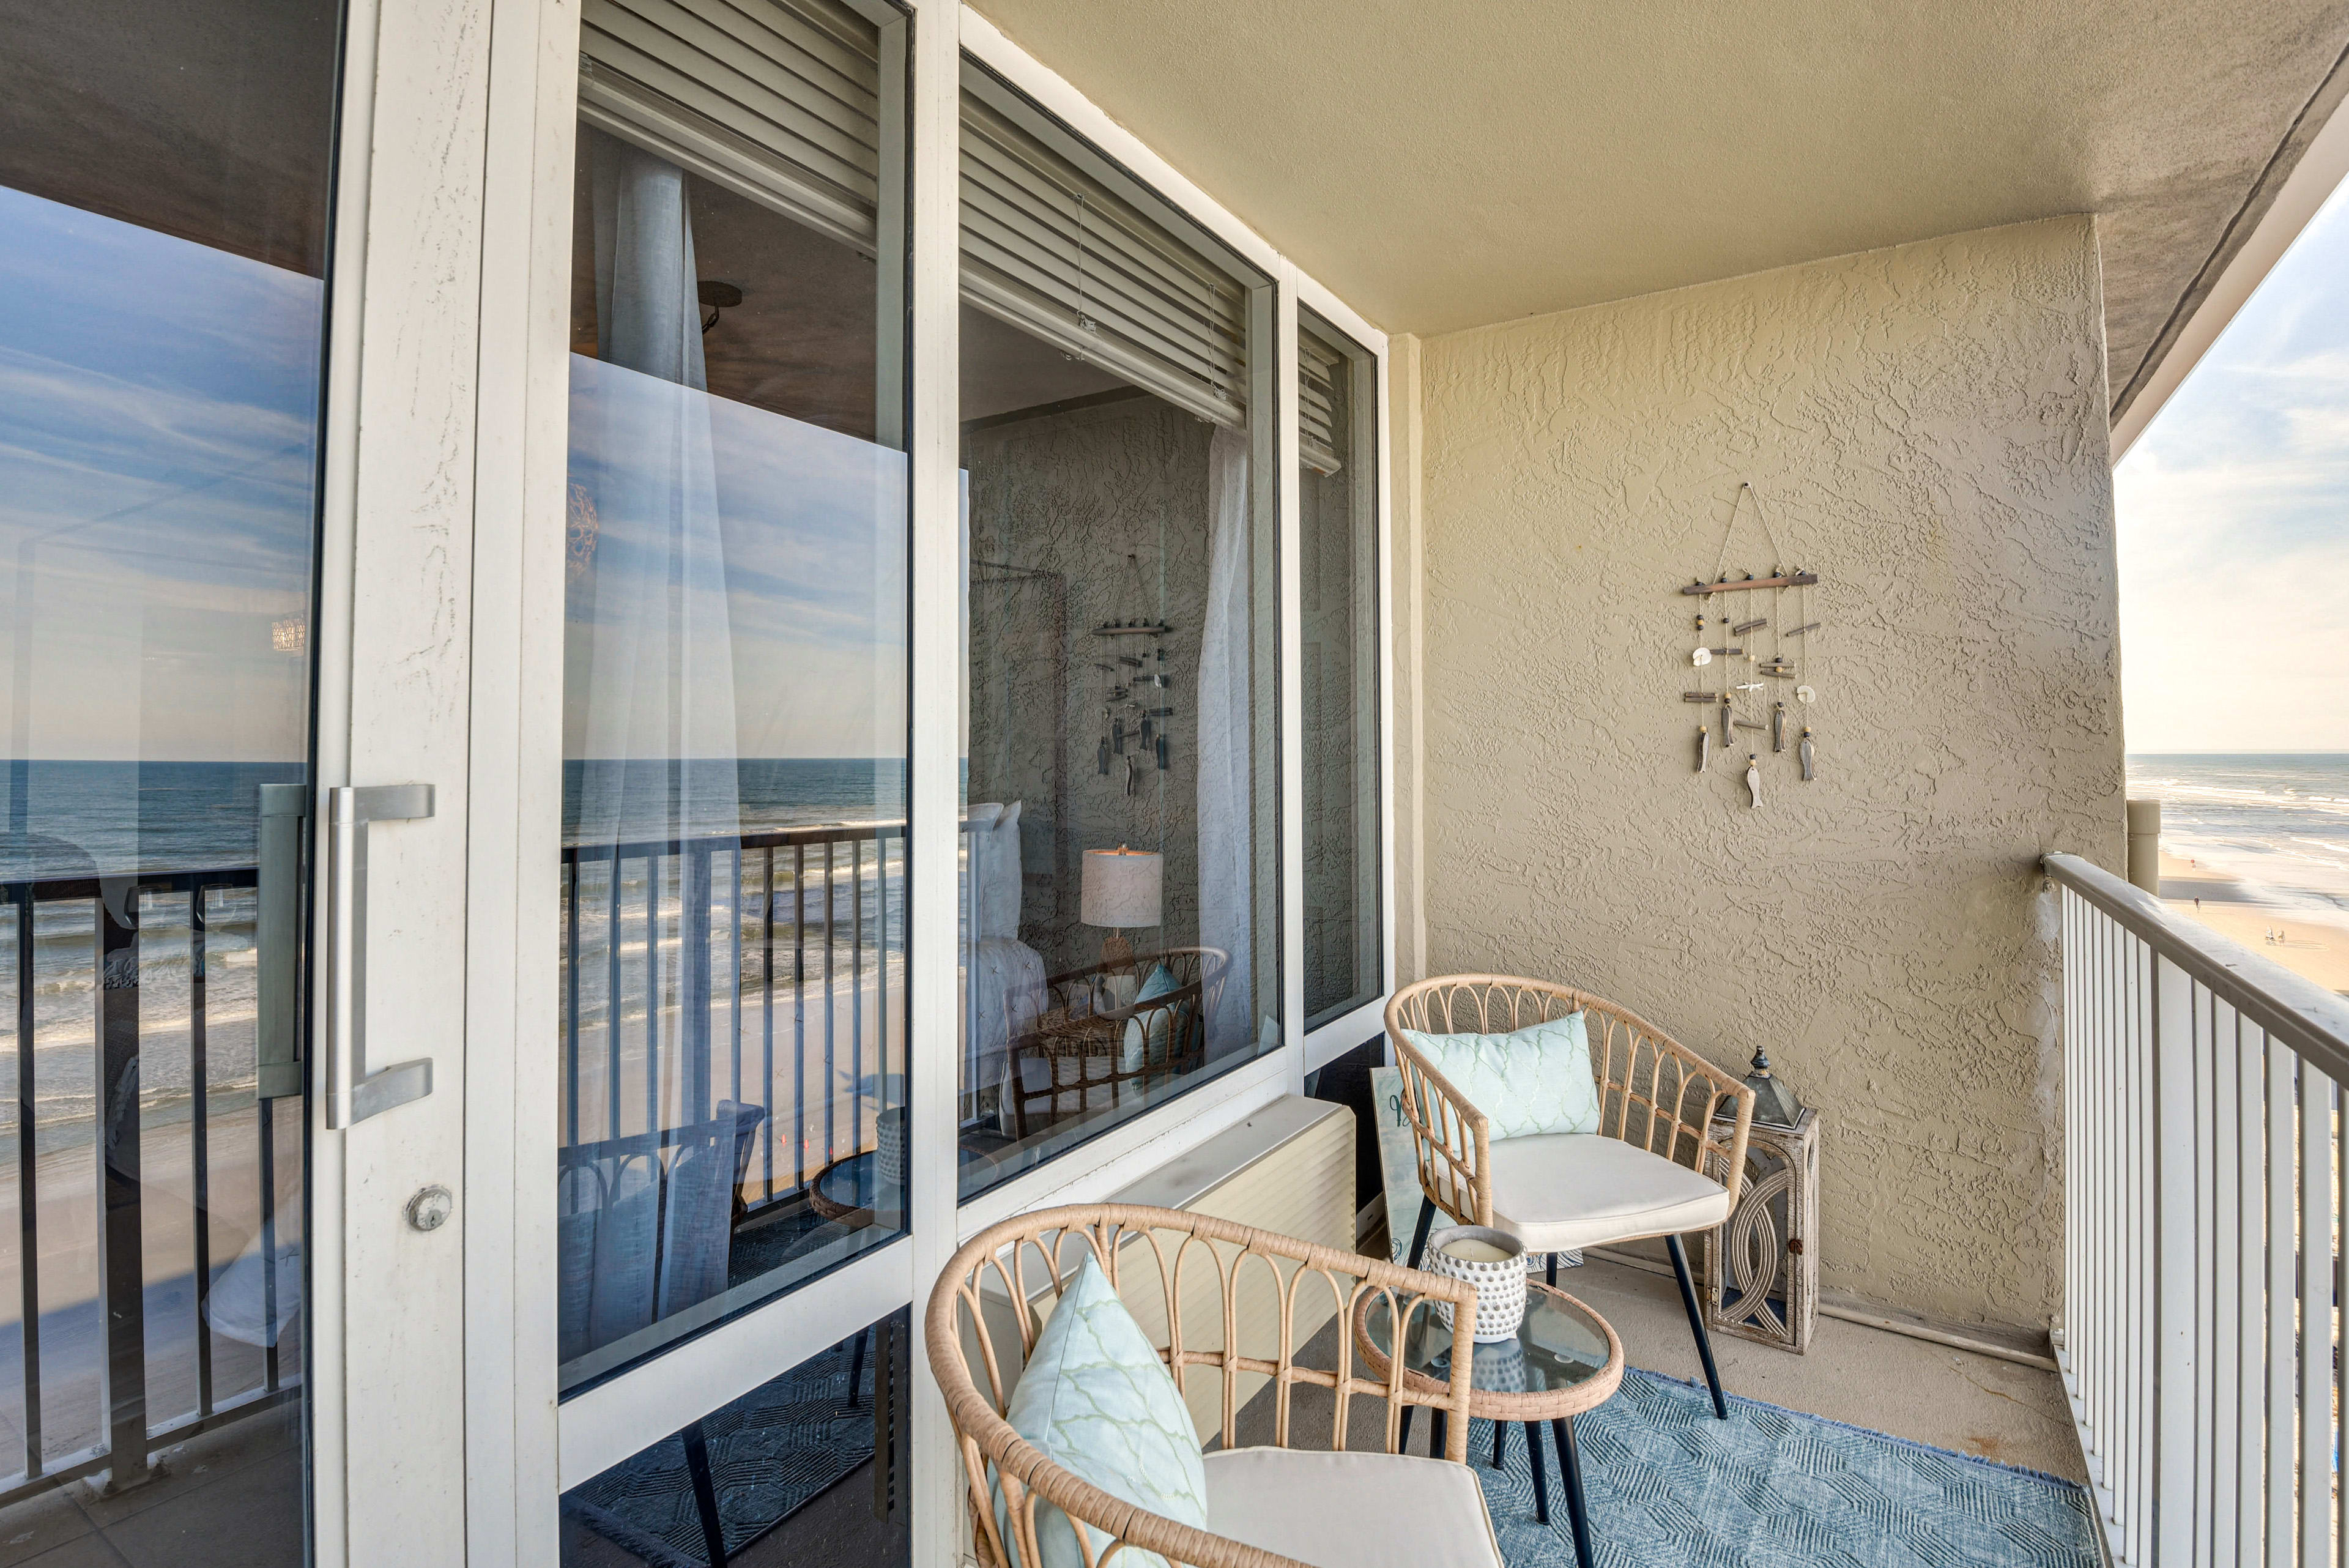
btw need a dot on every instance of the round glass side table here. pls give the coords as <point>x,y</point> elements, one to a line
<point>843,1190</point>
<point>1565,1360</point>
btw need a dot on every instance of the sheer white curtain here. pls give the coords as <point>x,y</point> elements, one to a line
<point>1226,739</point>
<point>659,738</point>
<point>645,1231</point>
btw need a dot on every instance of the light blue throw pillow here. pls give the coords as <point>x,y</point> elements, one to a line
<point>1530,1081</point>
<point>1151,1051</point>
<point>1099,1402</point>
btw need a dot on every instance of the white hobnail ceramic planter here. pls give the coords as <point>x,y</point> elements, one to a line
<point>1500,1282</point>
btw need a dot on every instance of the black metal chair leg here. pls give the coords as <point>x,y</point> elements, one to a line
<point>1500,1443</point>
<point>1552,1271</point>
<point>1541,1482</point>
<point>1696,1326</point>
<point>1569,1465</point>
<point>1436,1432</point>
<point>1419,1235</point>
<point>1418,1247</point>
<point>856,1369</point>
<point>705,1495</point>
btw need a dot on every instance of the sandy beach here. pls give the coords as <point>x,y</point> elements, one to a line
<point>2316,948</point>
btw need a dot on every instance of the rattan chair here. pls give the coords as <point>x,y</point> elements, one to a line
<point>1200,1273</point>
<point>1072,1062</point>
<point>1558,1192</point>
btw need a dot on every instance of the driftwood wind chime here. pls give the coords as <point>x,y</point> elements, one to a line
<point>1750,682</point>
<point>1134,680</point>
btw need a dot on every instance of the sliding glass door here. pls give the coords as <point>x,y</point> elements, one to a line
<point>164,185</point>
<point>734,914</point>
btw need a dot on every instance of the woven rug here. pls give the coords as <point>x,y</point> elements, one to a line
<point>1669,1485</point>
<point>770,1451</point>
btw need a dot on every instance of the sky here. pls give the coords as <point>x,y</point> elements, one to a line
<point>158,452</point>
<point>2233,524</point>
<point>158,441</point>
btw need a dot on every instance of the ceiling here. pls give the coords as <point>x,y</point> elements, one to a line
<point>1446,163</point>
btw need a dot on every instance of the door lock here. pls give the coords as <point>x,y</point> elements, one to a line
<point>430,1207</point>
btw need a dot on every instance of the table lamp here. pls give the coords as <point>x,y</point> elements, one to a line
<point>1121,890</point>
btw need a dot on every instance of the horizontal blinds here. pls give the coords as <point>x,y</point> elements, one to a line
<point>776,99</point>
<point>1056,252</point>
<point>1319,371</point>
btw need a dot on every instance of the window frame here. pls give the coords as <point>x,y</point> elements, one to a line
<point>525,1447</point>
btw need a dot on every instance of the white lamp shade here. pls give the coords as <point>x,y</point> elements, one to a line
<point>1122,887</point>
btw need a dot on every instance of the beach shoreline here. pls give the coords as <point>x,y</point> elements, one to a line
<point>2309,945</point>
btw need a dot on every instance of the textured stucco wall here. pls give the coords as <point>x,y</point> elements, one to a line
<point>1925,426</point>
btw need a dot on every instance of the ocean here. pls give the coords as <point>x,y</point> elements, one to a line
<point>2278,822</point>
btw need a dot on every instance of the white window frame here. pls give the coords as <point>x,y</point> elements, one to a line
<point>524,1447</point>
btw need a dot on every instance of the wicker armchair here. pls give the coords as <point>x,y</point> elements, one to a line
<point>1657,1099</point>
<point>1190,1279</point>
<point>1072,1060</point>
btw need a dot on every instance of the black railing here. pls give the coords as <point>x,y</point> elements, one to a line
<point>93,941</point>
<point>769,967</point>
<point>740,964</point>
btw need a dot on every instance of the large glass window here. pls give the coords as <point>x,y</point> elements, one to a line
<point>1120,870</point>
<point>733,1024</point>
<point>163,202</point>
<point>1338,564</point>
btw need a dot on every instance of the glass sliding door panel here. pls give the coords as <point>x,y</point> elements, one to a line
<point>808,1468</point>
<point>163,210</point>
<point>1338,565</point>
<point>734,917</point>
<point>1121,865</point>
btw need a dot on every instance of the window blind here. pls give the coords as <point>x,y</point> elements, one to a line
<point>1056,252</point>
<point>1319,368</point>
<point>779,100</point>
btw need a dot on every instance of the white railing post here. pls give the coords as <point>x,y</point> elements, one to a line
<point>2176,1265</point>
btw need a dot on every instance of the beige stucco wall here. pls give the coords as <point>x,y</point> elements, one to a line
<point>1925,427</point>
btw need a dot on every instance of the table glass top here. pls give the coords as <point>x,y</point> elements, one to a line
<point>849,1182</point>
<point>1558,1345</point>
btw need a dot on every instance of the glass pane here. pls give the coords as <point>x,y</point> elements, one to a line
<point>1120,869</point>
<point>163,179</point>
<point>733,1023</point>
<point>1338,563</point>
<point>808,1468</point>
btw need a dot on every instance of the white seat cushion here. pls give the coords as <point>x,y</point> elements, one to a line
<point>1352,1511</point>
<point>1558,1191</point>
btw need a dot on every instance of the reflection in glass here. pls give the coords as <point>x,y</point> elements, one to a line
<point>1121,865</point>
<point>732,1119</point>
<point>162,222</point>
<point>1338,520</point>
<point>808,1467</point>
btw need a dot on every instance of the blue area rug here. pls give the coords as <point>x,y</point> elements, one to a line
<point>1669,1485</point>
<point>770,1451</point>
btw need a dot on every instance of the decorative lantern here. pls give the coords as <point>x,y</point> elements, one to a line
<point>1774,1104</point>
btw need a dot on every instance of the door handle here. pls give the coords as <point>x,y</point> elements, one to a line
<point>352,1092</point>
<point>277,938</point>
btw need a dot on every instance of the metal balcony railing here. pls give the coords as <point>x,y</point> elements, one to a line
<point>120,1099</point>
<point>2200,1339</point>
<point>767,969</point>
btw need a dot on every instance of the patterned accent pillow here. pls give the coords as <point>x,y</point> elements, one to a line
<point>1138,1051</point>
<point>1098,1401</point>
<point>1533,1080</point>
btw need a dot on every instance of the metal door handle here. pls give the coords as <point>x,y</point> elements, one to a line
<point>354,1094</point>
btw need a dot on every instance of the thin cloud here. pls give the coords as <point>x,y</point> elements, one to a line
<point>2233,519</point>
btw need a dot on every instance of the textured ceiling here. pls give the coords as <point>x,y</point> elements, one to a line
<point>1444,164</point>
